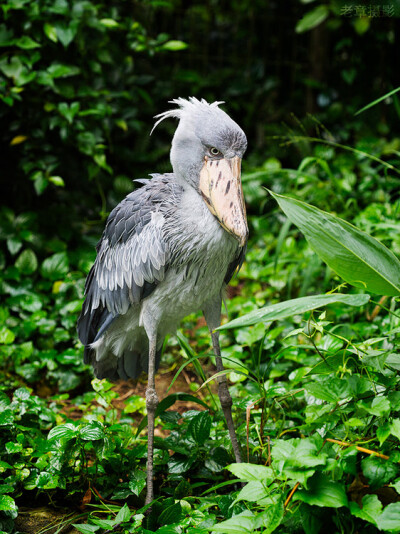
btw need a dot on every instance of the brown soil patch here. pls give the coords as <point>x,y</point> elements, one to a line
<point>44,520</point>
<point>128,388</point>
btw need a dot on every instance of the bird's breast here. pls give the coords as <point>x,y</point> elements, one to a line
<point>200,254</point>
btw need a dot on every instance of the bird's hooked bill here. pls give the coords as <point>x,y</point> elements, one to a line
<point>221,188</point>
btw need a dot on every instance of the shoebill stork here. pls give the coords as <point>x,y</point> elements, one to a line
<point>169,249</point>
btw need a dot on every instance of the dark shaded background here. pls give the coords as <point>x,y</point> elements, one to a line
<point>122,72</point>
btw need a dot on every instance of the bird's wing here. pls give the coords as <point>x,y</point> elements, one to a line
<point>236,264</point>
<point>132,258</point>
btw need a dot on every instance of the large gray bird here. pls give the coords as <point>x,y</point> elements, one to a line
<point>169,249</point>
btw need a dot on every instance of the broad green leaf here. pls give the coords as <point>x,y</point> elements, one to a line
<point>333,393</point>
<point>12,448</point>
<point>199,427</point>
<point>172,514</point>
<point>239,524</point>
<point>297,452</point>
<point>6,336</point>
<point>395,428</point>
<point>252,472</point>
<point>92,431</point>
<point>47,480</point>
<point>288,308</point>
<point>389,520</point>
<point>50,32</point>
<point>312,19</point>
<point>56,266</point>
<point>6,417</point>
<point>67,430</point>
<point>384,431</point>
<point>271,518</point>
<point>66,34</point>
<point>180,464</point>
<point>57,180</point>
<point>380,406</point>
<point>358,258</point>
<point>7,504</point>
<point>167,402</point>
<point>27,262</point>
<point>26,43</point>
<point>370,511</point>
<point>252,492</point>
<point>378,471</point>
<point>123,515</point>
<point>322,492</point>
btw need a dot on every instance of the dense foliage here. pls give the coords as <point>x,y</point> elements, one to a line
<point>315,385</point>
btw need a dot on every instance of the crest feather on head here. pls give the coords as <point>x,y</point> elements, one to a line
<point>191,105</point>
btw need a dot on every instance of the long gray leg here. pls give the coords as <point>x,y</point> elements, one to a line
<point>151,405</point>
<point>225,397</point>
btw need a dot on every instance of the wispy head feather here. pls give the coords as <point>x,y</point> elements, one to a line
<point>191,105</point>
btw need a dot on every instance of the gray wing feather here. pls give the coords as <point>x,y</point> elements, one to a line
<point>132,256</point>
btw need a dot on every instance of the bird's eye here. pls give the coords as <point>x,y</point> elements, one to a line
<point>214,151</point>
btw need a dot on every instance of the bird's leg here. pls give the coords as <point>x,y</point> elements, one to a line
<point>151,405</point>
<point>225,397</point>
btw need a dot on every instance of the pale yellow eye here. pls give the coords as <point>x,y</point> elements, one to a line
<point>214,151</point>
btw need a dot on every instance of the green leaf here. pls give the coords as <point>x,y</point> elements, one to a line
<point>252,472</point>
<point>239,524</point>
<point>354,255</point>
<point>322,492</point>
<point>47,480</point>
<point>123,515</point>
<point>109,23</point>
<point>380,406</point>
<point>26,43</point>
<point>271,518</point>
<point>395,428</point>
<point>92,431</point>
<point>389,520</point>
<point>57,180</point>
<point>297,458</point>
<point>56,266</point>
<point>174,46</point>
<point>86,529</point>
<point>7,504</point>
<point>14,245</point>
<point>66,34</point>
<point>167,402</point>
<point>6,336</point>
<point>378,471</point>
<point>50,32</point>
<point>252,492</point>
<point>312,19</point>
<point>6,417</point>
<point>199,427</point>
<point>370,511</point>
<point>333,393</point>
<point>27,262</point>
<point>67,430</point>
<point>172,514</point>
<point>288,308</point>
<point>180,464</point>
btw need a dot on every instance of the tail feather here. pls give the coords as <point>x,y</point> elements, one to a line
<point>130,365</point>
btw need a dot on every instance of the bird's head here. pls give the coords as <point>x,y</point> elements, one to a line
<point>206,154</point>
